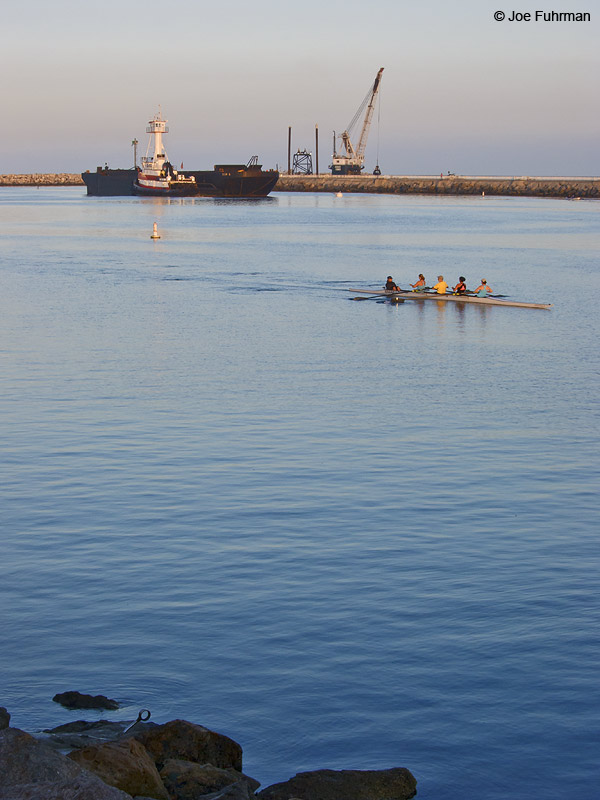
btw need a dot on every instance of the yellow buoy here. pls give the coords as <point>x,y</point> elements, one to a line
<point>155,234</point>
<point>339,194</point>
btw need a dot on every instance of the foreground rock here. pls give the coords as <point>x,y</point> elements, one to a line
<point>126,765</point>
<point>175,761</point>
<point>187,781</point>
<point>79,733</point>
<point>25,760</point>
<point>86,787</point>
<point>185,741</point>
<point>79,700</point>
<point>346,784</point>
<point>4,718</point>
<point>236,791</point>
<point>31,770</point>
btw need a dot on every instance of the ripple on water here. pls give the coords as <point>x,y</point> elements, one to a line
<point>345,534</point>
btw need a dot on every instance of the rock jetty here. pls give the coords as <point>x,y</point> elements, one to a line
<point>522,186</point>
<point>42,179</point>
<point>178,760</point>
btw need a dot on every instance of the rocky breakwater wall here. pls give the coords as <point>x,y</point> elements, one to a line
<point>42,179</point>
<point>175,761</point>
<point>523,186</point>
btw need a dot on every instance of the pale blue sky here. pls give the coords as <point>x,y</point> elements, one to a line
<point>460,91</point>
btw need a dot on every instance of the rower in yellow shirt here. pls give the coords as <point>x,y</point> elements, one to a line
<point>441,286</point>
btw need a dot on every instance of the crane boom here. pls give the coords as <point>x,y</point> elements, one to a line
<point>362,142</point>
<point>353,159</point>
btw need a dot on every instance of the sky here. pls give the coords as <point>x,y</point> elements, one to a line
<point>461,91</point>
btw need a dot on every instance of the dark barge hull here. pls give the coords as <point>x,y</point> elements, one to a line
<point>109,182</point>
<point>225,180</point>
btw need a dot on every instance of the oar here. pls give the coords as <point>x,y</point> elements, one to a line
<point>471,293</point>
<point>378,296</point>
<point>389,296</point>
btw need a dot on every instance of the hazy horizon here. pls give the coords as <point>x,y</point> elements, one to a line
<point>461,92</point>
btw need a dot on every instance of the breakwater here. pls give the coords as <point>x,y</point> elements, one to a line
<point>42,179</point>
<point>523,186</point>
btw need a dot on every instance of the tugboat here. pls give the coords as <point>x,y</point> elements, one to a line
<point>158,178</point>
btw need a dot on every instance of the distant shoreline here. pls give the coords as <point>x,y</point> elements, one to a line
<point>519,186</point>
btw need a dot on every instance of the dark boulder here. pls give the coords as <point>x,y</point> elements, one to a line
<point>79,733</point>
<point>4,718</point>
<point>187,781</point>
<point>86,787</point>
<point>77,700</point>
<point>25,760</point>
<point>235,791</point>
<point>30,770</point>
<point>345,784</point>
<point>189,742</point>
<point>100,727</point>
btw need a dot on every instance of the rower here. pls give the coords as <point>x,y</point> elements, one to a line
<point>419,286</point>
<point>441,286</point>
<point>461,286</point>
<point>483,290</point>
<point>390,286</point>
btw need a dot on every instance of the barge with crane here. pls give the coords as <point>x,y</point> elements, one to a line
<point>156,177</point>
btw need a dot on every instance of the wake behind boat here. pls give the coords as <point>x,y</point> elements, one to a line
<point>453,298</point>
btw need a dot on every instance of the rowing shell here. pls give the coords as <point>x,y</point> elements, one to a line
<point>453,298</point>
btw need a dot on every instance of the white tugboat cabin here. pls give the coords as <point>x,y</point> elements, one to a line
<point>157,176</point>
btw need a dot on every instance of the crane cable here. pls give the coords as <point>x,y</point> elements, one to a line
<point>378,125</point>
<point>361,108</point>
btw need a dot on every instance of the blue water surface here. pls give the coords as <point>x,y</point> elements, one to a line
<point>346,534</point>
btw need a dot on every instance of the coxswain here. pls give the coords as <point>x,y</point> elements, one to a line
<point>441,286</point>
<point>390,286</point>
<point>461,286</point>
<point>420,284</point>
<point>483,290</point>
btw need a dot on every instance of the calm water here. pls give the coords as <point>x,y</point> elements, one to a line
<point>346,534</point>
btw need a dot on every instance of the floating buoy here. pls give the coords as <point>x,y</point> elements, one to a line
<point>155,233</point>
<point>339,194</point>
<point>483,194</point>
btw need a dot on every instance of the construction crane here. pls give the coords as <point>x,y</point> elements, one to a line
<point>352,161</point>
